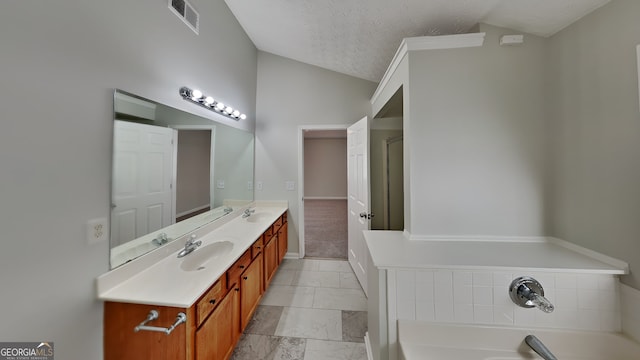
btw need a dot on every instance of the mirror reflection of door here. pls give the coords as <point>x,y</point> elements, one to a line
<point>193,186</point>
<point>134,231</point>
<point>142,180</point>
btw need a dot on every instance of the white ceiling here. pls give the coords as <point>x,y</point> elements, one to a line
<point>360,37</point>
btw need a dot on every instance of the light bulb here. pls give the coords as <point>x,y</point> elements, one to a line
<point>208,100</point>
<point>196,94</point>
<point>219,106</point>
<point>228,110</point>
<point>243,116</point>
<point>236,113</point>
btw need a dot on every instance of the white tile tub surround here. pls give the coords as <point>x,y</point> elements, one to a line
<point>630,301</point>
<point>582,301</point>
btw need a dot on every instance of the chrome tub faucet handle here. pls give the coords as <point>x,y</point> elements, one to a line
<point>528,292</point>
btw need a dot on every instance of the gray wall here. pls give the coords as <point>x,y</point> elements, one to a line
<point>60,62</point>
<point>325,168</point>
<point>475,128</point>
<point>593,92</point>
<point>291,94</point>
<point>194,169</point>
<point>233,163</point>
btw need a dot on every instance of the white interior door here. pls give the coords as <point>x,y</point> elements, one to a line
<point>358,199</point>
<point>143,166</point>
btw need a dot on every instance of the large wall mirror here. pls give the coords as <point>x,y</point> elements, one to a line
<point>173,172</point>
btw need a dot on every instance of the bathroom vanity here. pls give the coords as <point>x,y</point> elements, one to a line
<point>194,307</point>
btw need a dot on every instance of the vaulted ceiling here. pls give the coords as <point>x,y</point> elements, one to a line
<point>360,37</point>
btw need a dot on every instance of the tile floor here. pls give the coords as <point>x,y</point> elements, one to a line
<point>313,310</point>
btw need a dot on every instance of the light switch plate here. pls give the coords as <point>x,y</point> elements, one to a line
<point>290,185</point>
<point>97,230</point>
<point>220,184</point>
<point>259,185</point>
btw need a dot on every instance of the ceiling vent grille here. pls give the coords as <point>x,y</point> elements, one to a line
<point>187,13</point>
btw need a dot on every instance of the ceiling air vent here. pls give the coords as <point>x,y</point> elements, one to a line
<point>187,13</point>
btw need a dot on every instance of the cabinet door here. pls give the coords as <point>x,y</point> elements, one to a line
<point>250,291</point>
<point>282,242</point>
<point>270,259</point>
<point>122,343</point>
<point>217,337</point>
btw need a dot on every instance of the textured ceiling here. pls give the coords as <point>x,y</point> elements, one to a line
<point>360,37</point>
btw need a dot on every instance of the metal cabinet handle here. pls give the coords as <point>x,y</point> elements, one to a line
<point>153,315</point>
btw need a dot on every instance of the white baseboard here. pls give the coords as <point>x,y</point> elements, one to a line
<point>325,198</point>
<point>192,210</point>
<point>292,255</point>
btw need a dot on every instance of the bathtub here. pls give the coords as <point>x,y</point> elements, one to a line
<point>433,341</point>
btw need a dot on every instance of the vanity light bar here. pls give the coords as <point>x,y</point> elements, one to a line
<point>197,97</point>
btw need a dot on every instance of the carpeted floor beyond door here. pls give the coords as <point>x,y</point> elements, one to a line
<point>325,228</point>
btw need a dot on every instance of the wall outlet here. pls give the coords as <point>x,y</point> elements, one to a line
<point>290,185</point>
<point>220,184</point>
<point>249,185</point>
<point>97,230</point>
<point>259,185</point>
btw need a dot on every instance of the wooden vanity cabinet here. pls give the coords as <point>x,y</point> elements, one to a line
<point>283,242</point>
<point>250,291</point>
<point>218,335</point>
<point>122,343</point>
<point>270,258</point>
<point>214,323</point>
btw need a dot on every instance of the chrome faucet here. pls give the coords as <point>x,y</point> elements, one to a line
<point>248,212</point>
<point>536,345</point>
<point>527,292</point>
<point>189,246</point>
<point>227,210</point>
<point>161,239</point>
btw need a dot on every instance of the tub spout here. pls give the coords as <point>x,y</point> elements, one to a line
<point>536,345</point>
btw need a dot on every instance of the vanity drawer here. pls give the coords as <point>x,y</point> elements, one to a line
<point>268,234</point>
<point>238,268</point>
<point>257,247</point>
<point>210,300</point>
<point>277,224</point>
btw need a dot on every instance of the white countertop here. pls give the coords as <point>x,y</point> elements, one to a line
<point>165,283</point>
<point>392,249</point>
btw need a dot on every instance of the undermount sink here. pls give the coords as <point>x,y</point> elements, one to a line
<point>199,258</point>
<point>432,341</point>
<point>260,216</point>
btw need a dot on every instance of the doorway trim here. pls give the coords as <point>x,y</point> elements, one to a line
<point>301,130</point>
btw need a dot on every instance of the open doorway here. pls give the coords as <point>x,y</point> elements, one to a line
<point>193,185</point>
<point>386,166</point>
<point>323,230</point>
